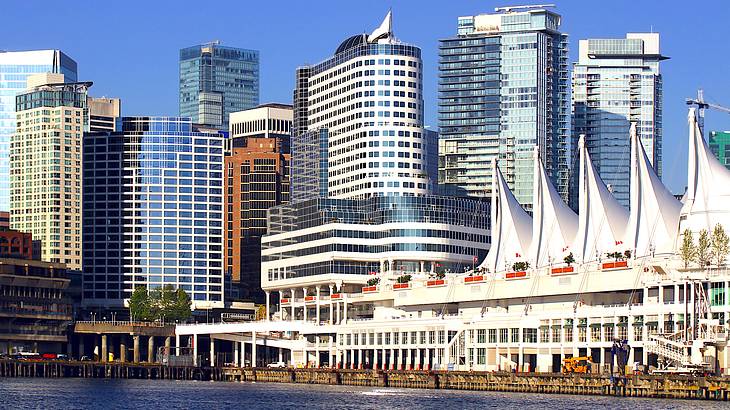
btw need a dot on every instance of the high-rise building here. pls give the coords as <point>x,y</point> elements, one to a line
<point>362,197</point>
<point>503,88</point>
<point>15,67</point>
<point>215,81</point>
<point>368,97</point>
<point>720,146</point>
<point>257,178</point>
<point>45,165</point>
<point>617,82</point>
<point>153,211</point>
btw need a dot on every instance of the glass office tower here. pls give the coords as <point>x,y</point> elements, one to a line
<point>15,67</point>
<point>720,146</point>
<point>216,81</point>
<point>617,82</point>
<point>503,88</point>
<point>153,211</point>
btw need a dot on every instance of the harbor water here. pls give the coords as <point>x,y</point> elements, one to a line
<point>51,394</point>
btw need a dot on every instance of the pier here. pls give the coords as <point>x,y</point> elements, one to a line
<point>649,386</point>
<point>98,370</point>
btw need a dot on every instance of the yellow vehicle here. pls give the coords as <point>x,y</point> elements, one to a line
<point>581,364</point>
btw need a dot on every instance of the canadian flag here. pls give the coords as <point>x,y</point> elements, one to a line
<point>619,242</point>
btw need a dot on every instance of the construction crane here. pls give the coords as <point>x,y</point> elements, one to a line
<point>701,105</point>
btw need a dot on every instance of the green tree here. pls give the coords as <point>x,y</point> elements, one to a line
<point>181,307</point>
<point>140,307</point>
<point>703,249</point>
<point>720,244</point>
<point>687,250</point>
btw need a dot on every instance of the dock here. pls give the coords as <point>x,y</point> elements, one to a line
<point>649,386</point>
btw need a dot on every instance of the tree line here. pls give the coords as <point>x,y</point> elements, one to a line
<point>710,247</point>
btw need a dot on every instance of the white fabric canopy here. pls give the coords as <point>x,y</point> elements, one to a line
<point>707,201</point>
<point>511,227</point>
<point>654,215</point>
<point>554,224</point>
<point>602,220</point>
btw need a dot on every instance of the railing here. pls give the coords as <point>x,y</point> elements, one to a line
<point>126,323</point>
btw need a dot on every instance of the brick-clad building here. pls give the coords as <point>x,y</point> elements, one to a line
<point>257,178</point>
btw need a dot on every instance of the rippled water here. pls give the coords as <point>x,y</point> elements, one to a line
<point>49,394</point>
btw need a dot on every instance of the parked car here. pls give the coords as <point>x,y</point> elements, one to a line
<point>277,365</point>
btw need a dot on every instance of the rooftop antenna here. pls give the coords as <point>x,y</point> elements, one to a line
<point>509,9</point>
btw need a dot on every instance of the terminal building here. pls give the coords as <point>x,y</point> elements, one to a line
<point>553,284</point>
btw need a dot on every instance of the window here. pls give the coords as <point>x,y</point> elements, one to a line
<point>481,336</point>
<point>481,355</point>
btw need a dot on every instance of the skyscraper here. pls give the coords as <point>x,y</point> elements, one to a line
<point>153,211</point>
<point>215,81</point>
<point>368,97</point>
<point>15,67</point>
<point>45,165</point>
<point>617,82</point>
<point>503,88</point>
<point>257,178</point>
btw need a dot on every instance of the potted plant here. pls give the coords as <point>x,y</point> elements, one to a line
<point>569,260</point>
<point>372,285</point>
<point>402,282</point>
<point>519,270</point>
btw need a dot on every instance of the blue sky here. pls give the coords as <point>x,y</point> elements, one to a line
<point>129,49</point>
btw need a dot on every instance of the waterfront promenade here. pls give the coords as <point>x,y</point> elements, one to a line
<point>651,386</point>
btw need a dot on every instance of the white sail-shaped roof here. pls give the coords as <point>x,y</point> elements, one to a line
<point>511,227</point>
<point>654,214</point>
<point>554,224</point>
<point>707,201</point>
<point>602,220</point>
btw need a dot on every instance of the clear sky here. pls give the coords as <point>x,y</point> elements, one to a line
<point>129,48</point>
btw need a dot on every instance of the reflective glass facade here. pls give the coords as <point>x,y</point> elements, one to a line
<point>353,236</point>
<point>153,203</point>
<point>617,82</point>
<point>216,81</point>
<point>503,89</point>
<point>15,67</point>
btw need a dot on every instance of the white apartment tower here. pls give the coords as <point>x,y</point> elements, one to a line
<point>368,99</point>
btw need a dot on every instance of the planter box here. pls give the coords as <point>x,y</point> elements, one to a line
<point>401,286</point>
<point>284,301</point>
<point>436,282</point>
<point>369,289</point>
<point>615,265</point>
<point>516,275</point>
<point>474,279</point>
<point>562,270</point>
<point>310,298</point>
<point>336,296</point>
